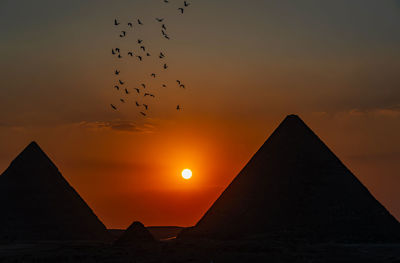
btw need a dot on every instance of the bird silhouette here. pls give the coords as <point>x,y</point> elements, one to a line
<point>179,82</point>
<point>140,58</point>
<point>117,49</point>
<point>117,72</point>
<point>160,19</point>
<point>182,86</point>
<point>186,4</point>
<point>130,54</point>
<point>144,114</point>
<point>116,23</point>
<point>143,48</point>
<point>164,86</point>
<point>116,87</point>
<point>140,41</point>
<point>137,90</point>
<point>137,103</point>
<point>146,106</point>
<point>167,37</point>
<point>163,32</point>
<point>112,106</point>
<point>130,24</point>
<point>113,52</point>
<point>153,75</point>
<point>146,94</point>
<point>119,56</point>
<point>126,91</point>
<point>181,9</point>
<point>139,22</point>
<point>121,82</point>
<point>161,55</point>
<point>148,54</point>
<point>164,27</point>
<point>178,107</point>
<point>152,95</point>
<point>123,34</point>
<point>122,100</point>
<point>165,66</point>
<point>166,1</point>
<point>143,85</point>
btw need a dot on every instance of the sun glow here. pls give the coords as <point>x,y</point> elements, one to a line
<point>187,174</point>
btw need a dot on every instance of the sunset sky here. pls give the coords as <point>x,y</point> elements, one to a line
<point>246,65</point>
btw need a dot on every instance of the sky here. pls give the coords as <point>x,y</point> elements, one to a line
<point>246,65</point>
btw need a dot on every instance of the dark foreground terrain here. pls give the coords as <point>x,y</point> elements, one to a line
<point>200,251</point>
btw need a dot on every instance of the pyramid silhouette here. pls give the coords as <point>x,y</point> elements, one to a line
<point>37,203</point>
<point>295,188</point>
<point>135,234</point>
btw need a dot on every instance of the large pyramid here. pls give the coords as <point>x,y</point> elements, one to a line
<point>37,203</point>
<point>135,234</point>
<point>295,188</point>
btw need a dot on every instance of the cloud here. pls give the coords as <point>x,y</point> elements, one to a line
<point>118,125</point>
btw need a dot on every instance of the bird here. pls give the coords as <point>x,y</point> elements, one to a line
<point>130,24</point>
<point>113,52</point>
<point>122,100</point>
<point>117,72</point>
<point>119,56</point>
<point>126,91</point>
<point>121,82</point>
<point>165,66</point>
<point>160,19</point>
<point>140,41</point>
<point>164,27</point>
<point>153,75</point>
<point>163,32</point>
<point>164,86</point>
<point>143,48</point>
<point>116,87</point>
<point>178,107</point>
<point>139,22</point>
<point>123,34</point>
<point>117,49</point>
<point>181,9</point>
<point>144,114</point>
<point>179,82</point>
<point>186,4</point>
<point>146,106</point>
<point>146,94</point>
<point>137,90</point>
<point>143,85</point>
<point>167,37</point>
<point>152,95</point>
<point>182,86</point>
<point>161,55</point>
<point>140,58</point>
<point>166,1</point>
<point>137,103</point>
<point>130,54</point>
<point>116,23</point>
<point>112,106</point>
<point>148,54</point>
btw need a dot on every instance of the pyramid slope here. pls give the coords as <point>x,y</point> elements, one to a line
<point>37,203</point>
<point>135,234</point>
<point>295,188</point>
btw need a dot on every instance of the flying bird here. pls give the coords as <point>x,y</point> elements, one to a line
<point>139,22</point>
<point>113,52</point>
<point>148,54</point>
<point>117,72</point>
<point>182,86</point>
<point>140,41</point>
<point>144,114</point>
<point>121,82</point>
<point>186,4</point>
<point>178,107</point>
<point>181,9</point>
<point>117,49</point>
<point>119,56</point>
<point>140,58</point>
<point>164,86</point>
<point>160,19</point>
<point>163,32</point>
<point>153,75</point>
<point>161,55</point>
<point>130,24</point>
<point>143,48</point>
<point>146,106</point>
<point>164,27</point>
<point>167,37</point>
<point>117,87</point>
<point>137,103</point>
<point>122,100</point>
<point>123,34</point>
<point>116,23</point>
<point>146,94</point>
<point>165,66</point>
<point>130,54</point>
<point>126,91</point>
<point>179,82</point>
<point>166,1</point>
<point>137,90</point>
<point>143,85</point>
<point>112,106</point>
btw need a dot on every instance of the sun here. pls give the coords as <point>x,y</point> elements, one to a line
<point>187,174</point>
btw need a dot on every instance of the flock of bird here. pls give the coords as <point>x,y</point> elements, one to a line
<point>141,91</point>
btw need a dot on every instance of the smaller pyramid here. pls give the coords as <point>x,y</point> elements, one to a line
<point>38,204</point>
<point>135,234</point>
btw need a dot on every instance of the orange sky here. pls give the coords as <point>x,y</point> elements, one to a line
<point>334,63</point>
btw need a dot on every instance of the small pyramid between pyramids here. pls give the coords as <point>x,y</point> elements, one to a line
<point>295,188</point>
<point>135,234</point>
<point>38,204</point>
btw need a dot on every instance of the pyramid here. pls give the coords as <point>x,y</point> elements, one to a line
<point>295,188</point>
<point>135,234</point>
<point>38,204</point>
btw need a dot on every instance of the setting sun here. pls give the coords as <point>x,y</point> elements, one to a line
<point>187,174</point>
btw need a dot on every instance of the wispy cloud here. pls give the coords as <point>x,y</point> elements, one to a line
<point>119,125</point>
